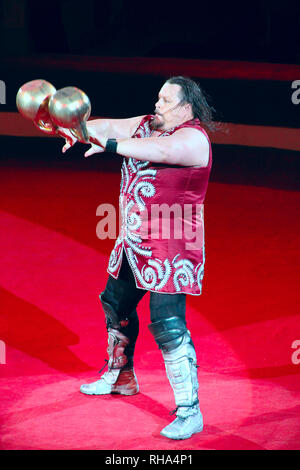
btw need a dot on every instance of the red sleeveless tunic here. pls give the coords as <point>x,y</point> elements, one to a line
<point>162,215</point>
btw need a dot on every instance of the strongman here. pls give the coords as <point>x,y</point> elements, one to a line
<point>166,165</point>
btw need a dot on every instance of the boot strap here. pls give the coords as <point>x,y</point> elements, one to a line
<point>117,342</point>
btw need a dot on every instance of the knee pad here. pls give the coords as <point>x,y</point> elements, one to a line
<point>168,333</point>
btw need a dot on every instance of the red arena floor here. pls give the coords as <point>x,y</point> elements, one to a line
<point>245,325</point>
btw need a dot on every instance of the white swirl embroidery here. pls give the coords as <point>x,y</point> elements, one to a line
<point>153,275</point>
<point>184,273</point>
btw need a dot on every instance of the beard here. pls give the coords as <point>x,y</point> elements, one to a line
<point>157,122</point>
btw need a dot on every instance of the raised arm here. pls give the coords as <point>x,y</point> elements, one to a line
<point>114,128</point>
<point>185,147</point>
<point>105,128</point>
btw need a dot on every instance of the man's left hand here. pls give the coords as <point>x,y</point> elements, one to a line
<point>97,145</point>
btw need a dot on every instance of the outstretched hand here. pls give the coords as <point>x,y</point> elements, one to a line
<point>97,145</point>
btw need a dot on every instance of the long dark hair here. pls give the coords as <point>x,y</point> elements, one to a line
<point>193,94</point>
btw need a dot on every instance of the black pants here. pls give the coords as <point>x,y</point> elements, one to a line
<point>123,296</point>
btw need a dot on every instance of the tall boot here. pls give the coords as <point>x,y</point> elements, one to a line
<point>179,356</point>
<point>120,377</point>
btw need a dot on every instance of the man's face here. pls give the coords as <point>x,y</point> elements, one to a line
<point>168,111</point>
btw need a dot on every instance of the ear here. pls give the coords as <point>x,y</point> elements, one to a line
<point>188,107</point>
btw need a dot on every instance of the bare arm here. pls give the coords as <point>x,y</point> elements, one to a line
<point>108,128</point>
<point>186,147</point>
<point>114,128</point>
